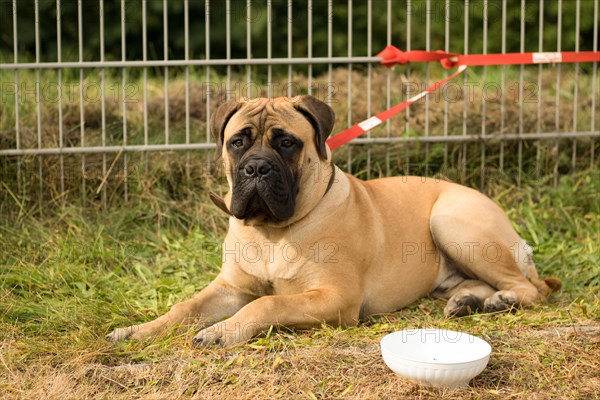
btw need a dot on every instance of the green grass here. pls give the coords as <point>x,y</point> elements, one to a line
<point>68,279</point>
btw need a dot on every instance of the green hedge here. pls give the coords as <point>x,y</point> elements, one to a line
<point>258,16</point>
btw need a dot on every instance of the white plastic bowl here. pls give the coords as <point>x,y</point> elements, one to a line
<point>435,357</point>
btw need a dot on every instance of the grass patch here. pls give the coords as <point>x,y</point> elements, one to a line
<point>67,280</point>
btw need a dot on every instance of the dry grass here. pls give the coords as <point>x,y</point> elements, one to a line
<point>532,358</point>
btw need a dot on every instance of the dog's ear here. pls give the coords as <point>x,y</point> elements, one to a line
<point>320,116</point>
<point>219,121</point>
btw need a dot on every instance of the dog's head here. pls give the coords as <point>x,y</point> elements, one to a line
<point>275,155</point>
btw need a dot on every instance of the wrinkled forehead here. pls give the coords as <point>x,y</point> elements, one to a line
<point>266,114</point>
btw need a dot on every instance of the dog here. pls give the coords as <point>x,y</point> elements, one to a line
<point>308,244</point>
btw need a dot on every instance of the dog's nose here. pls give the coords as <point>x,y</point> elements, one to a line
<point>256,168</point>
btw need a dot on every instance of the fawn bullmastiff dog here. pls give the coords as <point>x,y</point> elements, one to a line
<point>308,244</point>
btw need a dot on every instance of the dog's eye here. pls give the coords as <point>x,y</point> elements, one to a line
<point>286,143</point>
<point>237,143</point>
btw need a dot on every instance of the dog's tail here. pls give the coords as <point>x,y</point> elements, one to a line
<point>545,286</point>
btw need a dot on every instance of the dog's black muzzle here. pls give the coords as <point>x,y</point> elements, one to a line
<point>257,168</point>
<point>263,187</point>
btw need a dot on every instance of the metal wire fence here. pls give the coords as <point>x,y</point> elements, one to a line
<point>87,118</point>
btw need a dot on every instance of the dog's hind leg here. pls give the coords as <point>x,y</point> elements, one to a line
<point>465,297</point>
<point>478,240</point>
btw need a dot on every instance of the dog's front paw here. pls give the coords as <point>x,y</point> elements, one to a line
<point>207,338</point>
<point>224,333</point>
<point>120,334</point>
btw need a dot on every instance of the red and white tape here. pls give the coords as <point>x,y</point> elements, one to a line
<point>356,130</point>
<point>391,56</point>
